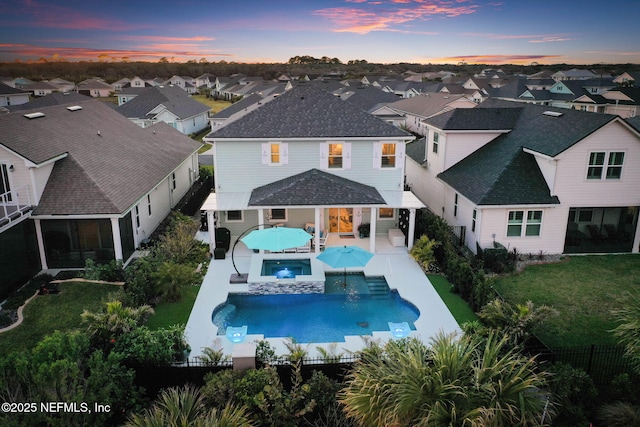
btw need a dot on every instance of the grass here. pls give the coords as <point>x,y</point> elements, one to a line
<point>583,289</point>
<point>456,305</point>
<point>215,106</point>
<point>169,314</point>
<point>46,314</point>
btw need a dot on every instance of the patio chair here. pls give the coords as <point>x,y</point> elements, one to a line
<point>612,233</point>
<point>595,234</point>
<point>304,249</point>
<point>322,240</point>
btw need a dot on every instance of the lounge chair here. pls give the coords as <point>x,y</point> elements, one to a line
<point>304,249</point>
<point>594,232</point>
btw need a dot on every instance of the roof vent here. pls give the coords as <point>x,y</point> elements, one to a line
<point>74,108</point>
<point>552,114</point>
<point>34,115</point>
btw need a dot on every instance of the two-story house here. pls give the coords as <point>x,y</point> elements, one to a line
<point>79,181</point>
<point>533,178</point>
<point>308,157</point>
<point>11,96</point>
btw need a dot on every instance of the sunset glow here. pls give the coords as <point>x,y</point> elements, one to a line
<point>383,31</point>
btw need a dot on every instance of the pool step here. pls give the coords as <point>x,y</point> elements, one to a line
<point>221,319</point>
<point>378,287</point>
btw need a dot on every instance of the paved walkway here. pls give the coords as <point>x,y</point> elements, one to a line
<point>400,270</point>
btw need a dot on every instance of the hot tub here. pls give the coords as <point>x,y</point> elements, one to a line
<point>285,274</point>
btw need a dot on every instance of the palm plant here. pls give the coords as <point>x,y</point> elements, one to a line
<point>184,407</point>
<point>115,320</point>
<point>517,321</point>
<point>453,382</point>
<point>628,331</point>
<point>423,251</point>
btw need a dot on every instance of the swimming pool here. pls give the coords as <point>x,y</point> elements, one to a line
<point>364,306</point>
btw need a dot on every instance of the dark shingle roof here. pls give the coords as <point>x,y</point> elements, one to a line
<point>635,122</point>
<point>110,162</point>
<point>315,187</point>
<point>238,106</point>
<point>416,150</point>
<point>8,90</point>
<point>306,111</point>
<point>176,100</point>
<point>476,119</point>
<point>55,98</point>
<point>501,173</point>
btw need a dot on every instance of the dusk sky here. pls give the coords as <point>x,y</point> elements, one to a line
<point>385,31</point>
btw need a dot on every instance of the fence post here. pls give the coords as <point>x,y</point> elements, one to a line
<point>244,356</point>
<point>590,361</point>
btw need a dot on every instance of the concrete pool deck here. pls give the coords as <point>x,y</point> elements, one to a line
<point>394,263</point>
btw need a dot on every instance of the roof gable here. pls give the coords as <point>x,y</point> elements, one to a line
<point>315,188</point>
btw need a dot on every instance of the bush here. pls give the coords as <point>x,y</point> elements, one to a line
<point>576,395</point>
<point>158,347</point>
<point>113,271</point>
<point>17,298</point>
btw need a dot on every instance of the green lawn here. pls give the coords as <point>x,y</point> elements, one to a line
<point>169,314</point>
<point>456,305</point>
<point>45,314</point>
<point>584,290</point>
<point>215,106</point>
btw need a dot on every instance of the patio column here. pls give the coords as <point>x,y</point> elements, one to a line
<point>317,231</point>
<point>212,231</point>
<point>412,228</point>
<point>373,216</point>
<point>41,251</point>
<point>636,240</point>
<point>261,224</point>
<point>117,242</point>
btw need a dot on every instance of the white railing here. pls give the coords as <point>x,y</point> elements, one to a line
<point>15,203</point>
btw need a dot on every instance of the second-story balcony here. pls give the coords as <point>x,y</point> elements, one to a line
<point>15,205</point>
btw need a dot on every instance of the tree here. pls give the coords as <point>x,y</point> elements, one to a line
<point>628,331</point>
<point>453,382</point>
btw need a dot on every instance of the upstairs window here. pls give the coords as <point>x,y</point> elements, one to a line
<point>335,156</point>
<point>388,156</point>
<point>436,138</point>
<point>455,205</point>
<point>605,165</point>
<point>275,153</point>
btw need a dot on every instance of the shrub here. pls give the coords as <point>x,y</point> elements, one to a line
<point>423,251</point>
<point>171,278</point>
<point>576,395</point>
<point>158,347</point>
<point>17,298</point>
<point>113,271</point>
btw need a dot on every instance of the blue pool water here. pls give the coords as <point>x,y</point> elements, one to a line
<point>358,309</point>
<point>285,269</point>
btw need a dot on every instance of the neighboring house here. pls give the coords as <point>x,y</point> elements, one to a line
<point>308,157</point>
<point>236,111</point>
<point>415,110</point>
<point>205,80</point>
<point>623,101</point>
<point>79,181</point>
<point>95,88</point>
<point>119,84</point>
<point>42,88</point>
<point>533,178</point>
<point>628,78</point>
<point>168,104</point>
<point>186,83</point>
<point>11,96</point>
<point>62,85</point>
<point>573,74</point>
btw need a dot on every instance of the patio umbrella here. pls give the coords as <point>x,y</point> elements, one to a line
<point>345,256</point>
<point>276,238</point>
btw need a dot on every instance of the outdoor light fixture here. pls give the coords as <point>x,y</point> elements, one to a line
<point>10,168</point>
<point>236,334</point>
<point>399,330</point>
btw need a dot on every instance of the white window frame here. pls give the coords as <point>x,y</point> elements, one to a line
<point>455,205</point>
<point>377,155</point>
<point>235,220</point>
<point>474,219</point>
<point>387,218</point>
<point>605,165</point>
<point>149,204</point>
<point>527,221</point>
<point>267,153</point>
<point>436,142</point>
<point>324,155</point>
<point>391,159</point>
<point>271,218</point>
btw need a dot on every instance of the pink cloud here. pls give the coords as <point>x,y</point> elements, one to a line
<point>534,38</point>
<point>495,59</point>
<point>391,14</point>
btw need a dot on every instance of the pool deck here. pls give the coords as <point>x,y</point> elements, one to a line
<point>400,270</point>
